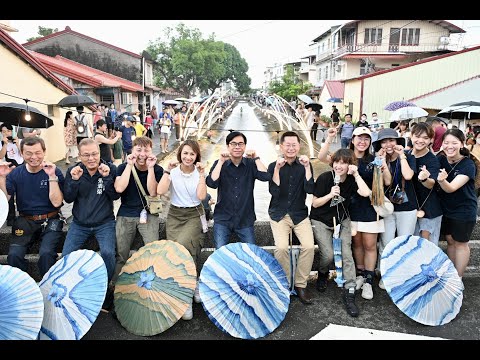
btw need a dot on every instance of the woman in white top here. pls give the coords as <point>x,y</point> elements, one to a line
<point>185,179</point>
<point>165,124</point>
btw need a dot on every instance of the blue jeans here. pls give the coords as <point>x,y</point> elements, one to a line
<point>221,234</point>
<point>106,238</point>
<point>345,142</point>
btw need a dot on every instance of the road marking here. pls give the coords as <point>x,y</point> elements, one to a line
<point>340,332</point>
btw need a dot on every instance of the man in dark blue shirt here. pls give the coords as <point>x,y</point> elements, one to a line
<point>89,186</point>
<point>37,186</point>
<point>234,175</point>
<point>292,180</point>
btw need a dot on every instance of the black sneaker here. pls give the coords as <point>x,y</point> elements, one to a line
<point>322,282</point>
<point>349,301</point>
<point>108,302</point>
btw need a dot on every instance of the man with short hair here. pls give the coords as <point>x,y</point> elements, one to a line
<point>292,180</point>
<point>128,135</point>
<point>439,127</point>
<point>234,175</point>
<point>149,174</point>
<point>346,131</point>
<point>89,185</point>
<point>37,186</point>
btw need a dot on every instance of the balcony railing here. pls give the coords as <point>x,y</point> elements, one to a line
<point>385,47</point>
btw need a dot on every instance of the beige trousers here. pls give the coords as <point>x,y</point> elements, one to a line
<point>281,233</point>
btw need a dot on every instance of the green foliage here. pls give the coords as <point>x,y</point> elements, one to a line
<point>42,31</point>
<point>186,61</point>
<point>290,86</point>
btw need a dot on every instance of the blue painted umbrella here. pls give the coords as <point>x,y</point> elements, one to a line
<point>155,288</point>
<point>421,280</point>
<point>73,291</point>
<point>244,290</point>
<point>3,208</point>
<point>21,305</point>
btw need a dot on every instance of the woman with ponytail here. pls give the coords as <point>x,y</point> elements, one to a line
<point>457,197</point>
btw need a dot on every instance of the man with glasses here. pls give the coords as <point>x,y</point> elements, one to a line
<point>292,180</point>
<point>89,185</point>
<point>37,186</point>
<point>234,175</point>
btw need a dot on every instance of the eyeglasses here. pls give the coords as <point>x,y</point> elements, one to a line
<point>236,144</point>
<point>86,156</point>
<point>363,139</point>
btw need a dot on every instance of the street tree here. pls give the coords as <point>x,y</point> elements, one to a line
<point>43,31</point>
<point>186,61</point>
<point>290,85</point>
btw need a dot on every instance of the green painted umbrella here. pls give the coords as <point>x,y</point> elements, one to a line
<point>155,288</point>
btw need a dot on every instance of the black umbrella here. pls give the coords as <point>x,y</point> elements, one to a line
<point>122,117</point>
<point>76,100</point>
<point>314,106</point>
<point>14,114</point>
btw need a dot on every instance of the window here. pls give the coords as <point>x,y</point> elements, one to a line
<point>326,72</point>
<point>410,36</point>
<point>373,36</point>
<point>363,67</point>
<point>127,98</point>
<point>106,99</point>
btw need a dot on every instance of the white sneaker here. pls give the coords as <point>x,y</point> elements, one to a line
<point>188,314</point>
<point>381,285</point>
<point>359,280</point>
<point>196,295</point>
<point>367,291</point>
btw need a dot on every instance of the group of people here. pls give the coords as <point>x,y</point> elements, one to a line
<point>430,194</point>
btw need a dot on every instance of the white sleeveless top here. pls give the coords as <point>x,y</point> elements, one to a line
<point>183,188</point>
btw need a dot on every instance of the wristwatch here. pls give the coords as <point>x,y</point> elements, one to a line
<point>424,180</point>
<point>256,158</point>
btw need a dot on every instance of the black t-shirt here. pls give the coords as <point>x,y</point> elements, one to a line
<point>361,208</point>
<point>461,204</point>
<point>396,171</point>
<point>132,204</point>
<point>323,186</point>
<point>393,124</point>
<point>429,199</point>
<point>105,152</point>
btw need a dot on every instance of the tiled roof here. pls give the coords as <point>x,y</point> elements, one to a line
<point>85,74</point>
<point>68,30</point>
<point>335,88</point>
<point>18,49</point>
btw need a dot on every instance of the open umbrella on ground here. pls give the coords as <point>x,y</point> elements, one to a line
<point>408,112</point>
<point>244,290</point>
<point>155,288</point>
<point>73,291</point>
<point>21,305</point>
<point>3,208</point>
<point>395,105</point>
<point>335,100</point>
<point>314,106</point>
<point>305,98</point>
<point>421,280</point>
<point>76,100</point>
<point>15,114</point>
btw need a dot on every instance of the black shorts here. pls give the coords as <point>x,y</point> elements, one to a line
<point>460,231</point>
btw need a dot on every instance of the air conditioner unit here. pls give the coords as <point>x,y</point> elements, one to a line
<point>444,40</point>
<point>442,47</point>
<point>339,68</point>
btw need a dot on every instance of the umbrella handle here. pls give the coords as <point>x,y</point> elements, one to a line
<point>334,222</point>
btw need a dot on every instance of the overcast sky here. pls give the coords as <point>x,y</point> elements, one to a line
<point>261,43</point>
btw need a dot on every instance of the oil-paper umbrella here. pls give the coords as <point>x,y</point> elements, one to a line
<point>73,291</point>
<point>155,288</point>
<point>244,290</point>
<point>3,208</point>
<point>21,305</point>
<point>421,280</point>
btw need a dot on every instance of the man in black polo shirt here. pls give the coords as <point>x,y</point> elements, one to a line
<point>234,175</point>
<point>292,180</point>
<point>37,186</point>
